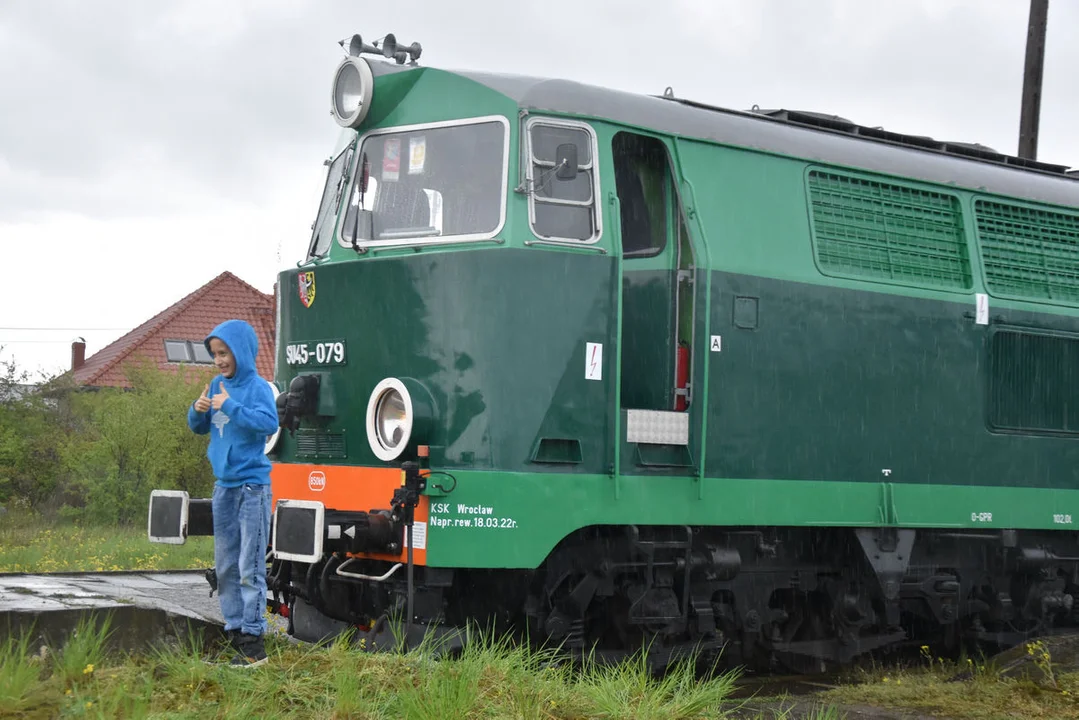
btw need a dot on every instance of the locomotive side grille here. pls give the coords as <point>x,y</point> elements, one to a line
<point>313,443</point>
<point>1034,383</point>
<point>867,229</point>
<point>1029,253</point>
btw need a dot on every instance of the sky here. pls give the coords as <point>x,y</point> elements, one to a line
<point>146,147</point>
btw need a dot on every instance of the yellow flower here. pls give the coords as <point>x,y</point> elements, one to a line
<point>89,705</point>
<point>67,692</point>
<point>88,669</point>
<point>885,680</point>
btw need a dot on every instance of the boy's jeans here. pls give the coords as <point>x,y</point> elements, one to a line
<point>241,534</point>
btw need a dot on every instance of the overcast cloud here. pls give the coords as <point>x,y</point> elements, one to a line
<point>145,147</point>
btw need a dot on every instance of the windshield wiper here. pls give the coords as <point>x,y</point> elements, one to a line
<point>362,182</point>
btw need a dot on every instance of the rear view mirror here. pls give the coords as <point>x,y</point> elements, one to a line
<point>566,158</point>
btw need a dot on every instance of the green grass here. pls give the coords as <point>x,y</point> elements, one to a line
<point>19,675</point>
<point>968,689</point>
<point>489,679</point>
<point>31,543</point>
<point>86,645</point>
<point>630,691</point>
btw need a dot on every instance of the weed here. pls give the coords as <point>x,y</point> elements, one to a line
<point>84,651</point>
<point>966,688</point>
<point>1043,661</point>
<point>19,674</point>
<point>631,689</point>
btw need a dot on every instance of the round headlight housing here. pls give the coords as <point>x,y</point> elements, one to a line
<point>398,417</point>
<point>353,88</point>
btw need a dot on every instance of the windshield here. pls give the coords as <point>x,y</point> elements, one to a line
<point>429,182</point>
<point>331,202</point>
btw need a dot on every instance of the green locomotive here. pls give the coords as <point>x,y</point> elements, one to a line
<point>632,369</point>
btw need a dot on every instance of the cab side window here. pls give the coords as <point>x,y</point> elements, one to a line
<point>642,181</point>
<point>561,208</point>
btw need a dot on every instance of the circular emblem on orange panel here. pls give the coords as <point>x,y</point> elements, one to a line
<point>316,480</point>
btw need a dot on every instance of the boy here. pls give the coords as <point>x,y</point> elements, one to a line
<point>238,413</point>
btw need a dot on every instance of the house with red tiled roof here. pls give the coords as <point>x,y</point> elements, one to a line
<point>174,336</point>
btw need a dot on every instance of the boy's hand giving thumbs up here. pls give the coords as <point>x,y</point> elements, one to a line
<point>220,397</point>
<point>203,403</point>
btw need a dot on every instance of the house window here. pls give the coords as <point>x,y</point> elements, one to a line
<point>202,355</point>
<point>187,351</point>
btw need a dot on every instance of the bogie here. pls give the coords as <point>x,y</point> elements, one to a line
<point>784,597</point>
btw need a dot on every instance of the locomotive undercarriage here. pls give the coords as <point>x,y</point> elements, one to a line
<point>806,600</point>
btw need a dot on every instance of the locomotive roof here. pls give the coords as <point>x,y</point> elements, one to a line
<point>807,135</point>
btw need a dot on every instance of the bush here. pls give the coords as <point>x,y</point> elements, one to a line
<point>128,442</point>
<point>32,430</point>
<point>96,454</point>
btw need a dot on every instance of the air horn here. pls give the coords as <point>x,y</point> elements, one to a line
<point>355,46</point>
<point>391,49</point>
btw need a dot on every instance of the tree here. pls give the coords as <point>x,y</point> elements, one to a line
<point>32,430</point>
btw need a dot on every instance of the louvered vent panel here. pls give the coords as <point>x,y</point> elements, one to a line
<point>871,230</point>
<point>319,444</point>
<point>1034,384</point>
<point>1029,253</point>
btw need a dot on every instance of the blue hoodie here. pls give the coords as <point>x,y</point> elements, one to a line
<point>238,431</point>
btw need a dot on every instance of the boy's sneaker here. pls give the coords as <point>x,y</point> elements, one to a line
<point>250,652</point>
<point>234,638</point>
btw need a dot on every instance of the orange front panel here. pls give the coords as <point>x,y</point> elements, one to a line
<point>341,487</point>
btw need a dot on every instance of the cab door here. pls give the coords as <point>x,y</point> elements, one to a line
<point>657,318</point>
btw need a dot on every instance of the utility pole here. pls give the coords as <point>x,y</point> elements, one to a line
<point>1032,80</point>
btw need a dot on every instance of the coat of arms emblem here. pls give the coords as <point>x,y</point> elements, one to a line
<point>307,287</point>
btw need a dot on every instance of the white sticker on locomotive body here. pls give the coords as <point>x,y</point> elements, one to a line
<point>593,361</point>
<point>982,307</point>
<point>717,343</point>
<point>419,536</point>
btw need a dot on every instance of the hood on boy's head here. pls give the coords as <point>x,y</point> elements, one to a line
<point>243,344</point>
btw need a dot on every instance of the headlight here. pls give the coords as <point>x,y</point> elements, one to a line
<point>399,414</point>
<point>393,420</point>
<point>272,440</point>
<point>353,87</point>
